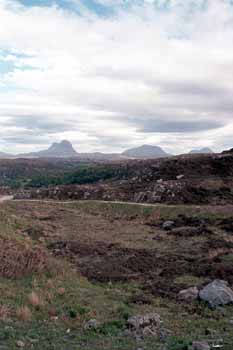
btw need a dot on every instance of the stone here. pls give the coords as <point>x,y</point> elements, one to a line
<point>145,325</point>
<point>168,225</point>
<point>200,345</point>
<point>160,181</point>
<point>20,344</point>
<point>91,324</point>
<point>217,293</point>
<point>86,195</point>
<point>156,198</point>
<point>189,294</point>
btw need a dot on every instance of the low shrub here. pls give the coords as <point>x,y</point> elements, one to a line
<point>18,260</point>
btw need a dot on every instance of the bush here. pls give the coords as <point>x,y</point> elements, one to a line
<point>77,310</point>
<point>111,328</point>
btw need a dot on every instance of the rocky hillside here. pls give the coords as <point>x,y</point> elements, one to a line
<point>186,179</point>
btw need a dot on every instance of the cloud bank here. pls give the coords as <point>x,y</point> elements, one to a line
<point>155,72</point>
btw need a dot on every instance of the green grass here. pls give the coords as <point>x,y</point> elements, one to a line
<point>145,210</point>
<point>108,306</point>
<point>189,280</point>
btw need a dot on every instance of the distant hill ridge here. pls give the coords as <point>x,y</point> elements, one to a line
<point>65,149</point>
<point>201,151</point>
<point>146,151</point>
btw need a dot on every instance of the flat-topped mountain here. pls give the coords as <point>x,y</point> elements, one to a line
<point>146,151</point>
<point>204,150</point>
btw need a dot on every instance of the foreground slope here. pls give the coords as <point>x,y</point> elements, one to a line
<point>108,262</point>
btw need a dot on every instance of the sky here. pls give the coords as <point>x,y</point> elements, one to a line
<point>109,75</point>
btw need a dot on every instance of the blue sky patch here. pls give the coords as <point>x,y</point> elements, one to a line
<point>91,5</point>
<point>6,66</point>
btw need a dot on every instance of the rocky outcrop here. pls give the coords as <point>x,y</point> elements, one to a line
<point>145,325</point>
<point>178,180</point>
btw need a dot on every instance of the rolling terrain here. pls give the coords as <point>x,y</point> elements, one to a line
<point>102,256</point>
<point>194,179</point>
<point>108,262</point>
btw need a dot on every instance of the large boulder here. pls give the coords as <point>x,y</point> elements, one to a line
<point>217,293</point>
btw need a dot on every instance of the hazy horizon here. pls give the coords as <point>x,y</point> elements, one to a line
<point>110,75</point>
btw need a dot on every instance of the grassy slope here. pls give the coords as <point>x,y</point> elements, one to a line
<point>82,300</point>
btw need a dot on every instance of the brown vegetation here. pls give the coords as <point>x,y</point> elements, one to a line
<point>18,259</point>
<point>24,313</point>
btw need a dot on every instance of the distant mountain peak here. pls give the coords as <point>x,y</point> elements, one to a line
<point>60,149</point>
<point>63,149</point>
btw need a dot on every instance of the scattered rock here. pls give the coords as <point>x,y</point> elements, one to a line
<point>91,324</point>
<point>145,325</point>
<point>189,294</point>
<point>168,225</point>
<point>200,345</point>
<point>160,181</point>
<point>217,293</point>
<point>20,344</point>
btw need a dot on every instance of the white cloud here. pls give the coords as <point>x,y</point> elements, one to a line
<point>106,80</point>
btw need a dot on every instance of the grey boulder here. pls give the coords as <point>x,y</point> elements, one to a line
<point>217,293</point>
